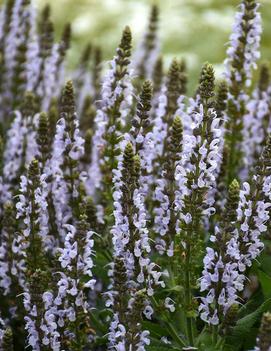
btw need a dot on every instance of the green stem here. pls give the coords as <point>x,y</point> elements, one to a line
<point>232,156</point>
<point>175,334</point>
<point>219,345</point>
<point>189,327</point>
<point>96,323</point>
<point>215,334</point>
<point>198,339</point>
<point>171,329</point>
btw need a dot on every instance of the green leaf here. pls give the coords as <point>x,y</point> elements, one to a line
<point>251,305</point>
<point>243,332</point>
<point>249,320</point>
<point>250,340</point>
<point>175,288</point>
<point>99,341</point>
<point>98,325</point>
<point>155,329</point>
<point>160,348</point>
<point>265,281</point>
<point>205,338</point>
<point>265,259</point>
<point>157,345</point>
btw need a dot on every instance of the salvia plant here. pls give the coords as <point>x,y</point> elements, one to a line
<point>132,216</point>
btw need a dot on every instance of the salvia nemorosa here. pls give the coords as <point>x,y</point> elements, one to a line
<point>132,216</point>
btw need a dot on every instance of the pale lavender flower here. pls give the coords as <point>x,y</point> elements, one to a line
<point>42,330</point>
<point>9,260</point>
<point>22,21</point>
<point>169,304</point>
<point>49,80</point>
<point>159,130</point>
<point>2,20</point>
<point>116,335</point>
<point>162,213</point>
<point>144,340</point>
<point>33,338</point>
<point>252,218</point>
<point>221,280</point>
<point>121,234</point>
<point>109,96</point>
<point>2,329</point>
<point>255,131</point>
<point>148,50</point>
<point>184,111</point>
<point>15,147</point>
<point>251,47</point>
<point>134,251</point>
<point>76,260</point>
<point>5,280</point>
<point>49,326</point>
<point>208,160</point>
<point>20,149</point>
<point>32,58</point>
<point>33,62</point>
<point>223,276</point>
<point>12,39</point>
<point>60,190</point>
<point>24,210</point>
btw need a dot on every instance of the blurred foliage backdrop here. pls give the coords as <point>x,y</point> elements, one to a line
<point>196,30</point>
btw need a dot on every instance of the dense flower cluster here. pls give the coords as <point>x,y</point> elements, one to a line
<point>133,216</point>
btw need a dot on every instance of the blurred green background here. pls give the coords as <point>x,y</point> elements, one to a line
<point>196,30</point>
